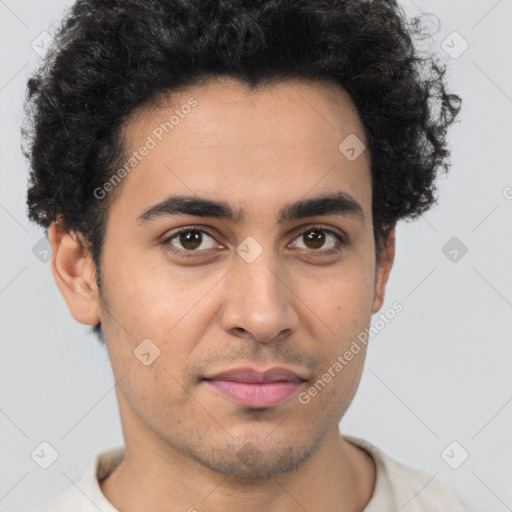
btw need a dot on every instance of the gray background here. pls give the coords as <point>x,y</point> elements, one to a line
<point>438,373</point>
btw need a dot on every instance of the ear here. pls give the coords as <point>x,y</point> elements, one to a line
<point>74,273</point>
<point>383,269</point>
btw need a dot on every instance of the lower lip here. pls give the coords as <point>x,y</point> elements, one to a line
<point>256,394</point>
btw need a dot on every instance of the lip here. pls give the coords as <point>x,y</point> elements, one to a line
<point>250,374</point>
<point>253,388</point>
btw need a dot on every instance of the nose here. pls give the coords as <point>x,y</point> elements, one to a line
<point>258,302</point>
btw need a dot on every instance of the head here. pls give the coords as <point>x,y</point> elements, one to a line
<point>221,182</point>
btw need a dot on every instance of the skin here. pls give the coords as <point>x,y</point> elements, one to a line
<point>187,446</point>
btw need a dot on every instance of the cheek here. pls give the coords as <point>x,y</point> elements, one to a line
<point>341,301</point>
<point>158,397</point>
<point>151,301</point>
<point>329,396</point>
<point>151,370</point>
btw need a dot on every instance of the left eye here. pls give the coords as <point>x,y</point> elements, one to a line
<point>316,238</point>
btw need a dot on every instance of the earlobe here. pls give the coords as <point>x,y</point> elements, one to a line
<point>73,271</point>
<point>383,270</point>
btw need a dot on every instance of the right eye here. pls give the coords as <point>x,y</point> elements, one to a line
<point>191,239</point>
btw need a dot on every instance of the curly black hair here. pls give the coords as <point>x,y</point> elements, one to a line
<point>111,57</point>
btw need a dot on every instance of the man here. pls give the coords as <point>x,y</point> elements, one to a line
<point>221,183</point>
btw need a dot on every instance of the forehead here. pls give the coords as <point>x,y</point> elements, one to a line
<point>272,144</point>
<point>227,107</point>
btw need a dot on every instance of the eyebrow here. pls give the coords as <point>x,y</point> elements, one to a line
<point>340,203</point>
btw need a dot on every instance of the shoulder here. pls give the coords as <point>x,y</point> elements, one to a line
<point>65,501</point>
<point>85,495</point>
<point>411,486</point>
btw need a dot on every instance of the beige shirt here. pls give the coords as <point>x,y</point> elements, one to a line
<point>397,486</point>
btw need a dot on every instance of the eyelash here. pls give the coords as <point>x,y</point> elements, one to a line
<point>340,239</point>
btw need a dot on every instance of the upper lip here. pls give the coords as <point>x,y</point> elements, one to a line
<point>247,374</point>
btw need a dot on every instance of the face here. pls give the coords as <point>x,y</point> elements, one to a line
<point>265,287</point>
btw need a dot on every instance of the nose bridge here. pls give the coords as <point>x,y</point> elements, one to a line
<point>258,299</point>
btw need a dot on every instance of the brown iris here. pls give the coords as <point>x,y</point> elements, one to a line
<point>316,237</point>
<point>191,239</point>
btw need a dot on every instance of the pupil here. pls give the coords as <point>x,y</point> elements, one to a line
<point>316,238</point>
<point>191,239</point>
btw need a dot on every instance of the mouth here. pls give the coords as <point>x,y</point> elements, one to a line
<point>258,389</point>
